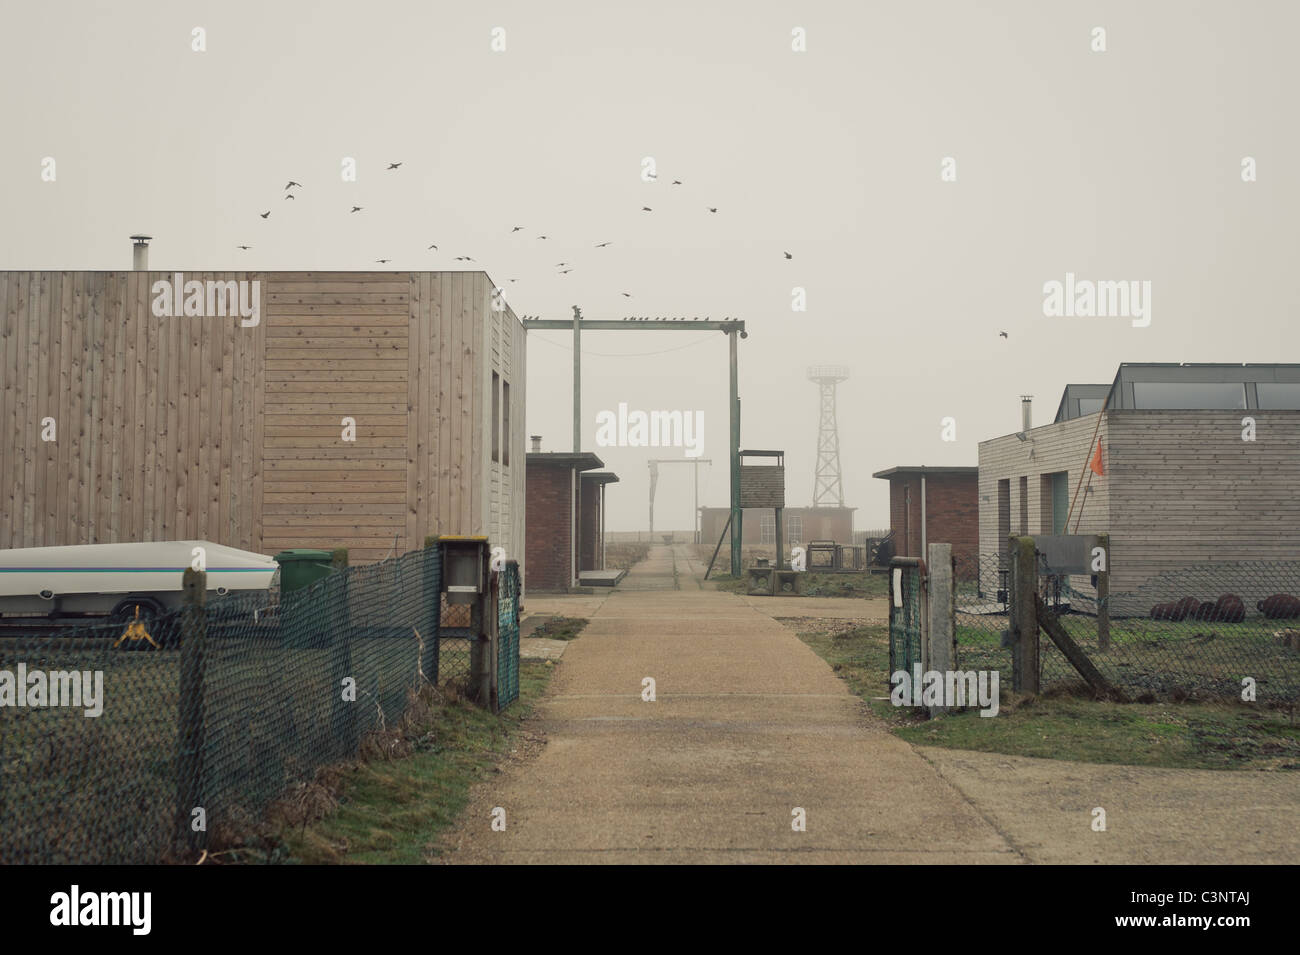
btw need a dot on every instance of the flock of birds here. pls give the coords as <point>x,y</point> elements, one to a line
<point>562,268</point>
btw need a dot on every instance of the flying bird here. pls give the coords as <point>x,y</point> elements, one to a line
<point>393,165</point>
<point>245,247</point>
<point>431,247</point>
<point>266,213</point>
<point>646,209</point>
<point>788,255</point>
<point>626,294</point>
<point>602,245</point>
<point>541,237</point>
<point>292,184</point>
<point>677,182</point>
<point>517,228</point>
<point>560,264</point>
<point>565,271</point>
<point>1003,335</point>
<point>291,196</point>
<point>383,261</point>
<point>713,208</point>
<point>356,208</point>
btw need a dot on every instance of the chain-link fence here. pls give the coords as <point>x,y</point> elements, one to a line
<point>1194,633</point>
<point>981,600</point>
<point>1204,632</point>
<point>114,756</point>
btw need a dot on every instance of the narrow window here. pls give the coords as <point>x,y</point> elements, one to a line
<point>505,422</point>
<point>1024,506</point>
<point>496,417</point>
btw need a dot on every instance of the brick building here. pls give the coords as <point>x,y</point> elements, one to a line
<point>799,525</point>
<point>565,535</point>
<point>934,505</point>
<point>591,519</point>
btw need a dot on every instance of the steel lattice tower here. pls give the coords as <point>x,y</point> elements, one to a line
<point>828,488</point>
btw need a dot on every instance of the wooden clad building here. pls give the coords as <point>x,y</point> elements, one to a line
<point>1197,467</point>
<point>123,424</point>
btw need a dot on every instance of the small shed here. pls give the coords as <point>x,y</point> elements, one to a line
<point>565,537</point>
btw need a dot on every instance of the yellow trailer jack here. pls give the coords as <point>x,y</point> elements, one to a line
<point>135,631</point>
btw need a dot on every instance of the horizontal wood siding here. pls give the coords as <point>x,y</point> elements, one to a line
<point>1065,446</point>
<point>1189,491</point>
<point>326,361</point>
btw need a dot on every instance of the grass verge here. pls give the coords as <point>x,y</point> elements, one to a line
<point>1066,723</point>
<point>559,628</point>
<point>815,584</point>
<point>394,809</point>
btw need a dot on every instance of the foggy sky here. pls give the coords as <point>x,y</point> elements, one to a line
<point>1123,165</point>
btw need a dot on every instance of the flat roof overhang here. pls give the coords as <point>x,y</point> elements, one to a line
<point>923,469</point>
<point>578,460</point>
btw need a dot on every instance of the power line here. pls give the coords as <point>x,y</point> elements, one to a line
<point>637,354</point>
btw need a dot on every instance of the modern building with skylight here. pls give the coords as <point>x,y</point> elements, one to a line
<point>1198,464</point>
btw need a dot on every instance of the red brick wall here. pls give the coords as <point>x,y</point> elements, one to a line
<point>548,547</point>
<point>951,516</point>
<point>826,524</point>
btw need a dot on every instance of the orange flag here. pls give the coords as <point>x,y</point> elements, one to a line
<point>1095,464</point>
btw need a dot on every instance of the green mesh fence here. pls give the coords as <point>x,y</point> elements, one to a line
<point>244,699</point>
<point>508,635</point>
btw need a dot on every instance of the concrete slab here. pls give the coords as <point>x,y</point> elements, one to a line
<point>540,648</point>
<point>748,725</point>
<point>1153,816</point>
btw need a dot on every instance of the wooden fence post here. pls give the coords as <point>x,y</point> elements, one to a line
<point>190,717</point>
<point>1103,594</point>
<point>1024,623</point>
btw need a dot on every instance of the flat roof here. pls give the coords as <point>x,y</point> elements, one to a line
<point>790,507</point>
<point>1158,388</point>
<point>601,477</point>
<point>578,460</point>
<point>925,469</point>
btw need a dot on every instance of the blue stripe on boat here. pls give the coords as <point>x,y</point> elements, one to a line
<point>131,570</point>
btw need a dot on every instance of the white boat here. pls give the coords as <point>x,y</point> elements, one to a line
<point>105,578</point>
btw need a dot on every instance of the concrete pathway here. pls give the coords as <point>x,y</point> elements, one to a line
<point>749,724</point>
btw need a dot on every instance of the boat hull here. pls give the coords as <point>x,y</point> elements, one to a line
<point>91,577</point>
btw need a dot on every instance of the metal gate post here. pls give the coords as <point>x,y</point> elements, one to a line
<point>940,638</point>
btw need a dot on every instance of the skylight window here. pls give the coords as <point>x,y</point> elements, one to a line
<point>1191,395</point>
<point>1279,395</point>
